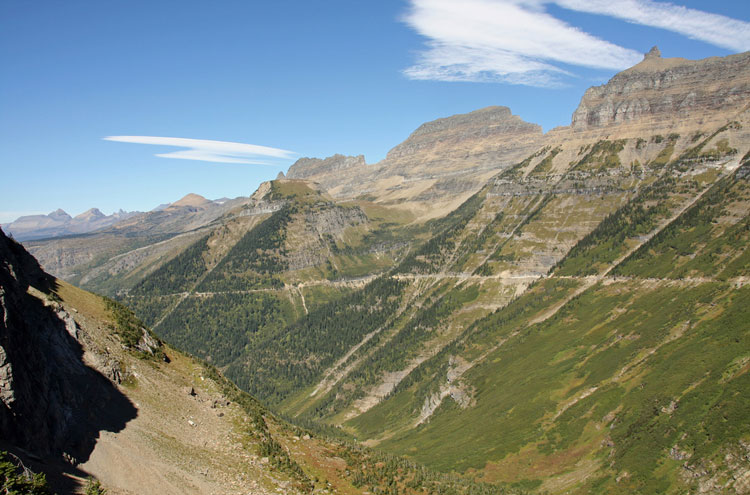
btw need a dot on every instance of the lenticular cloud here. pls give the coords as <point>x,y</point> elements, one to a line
<point>211,151</point>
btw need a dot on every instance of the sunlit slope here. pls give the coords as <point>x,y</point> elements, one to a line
<point>621,372</point>
<point>510,234</point>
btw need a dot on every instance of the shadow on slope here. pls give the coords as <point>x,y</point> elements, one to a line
<point>52,406</point>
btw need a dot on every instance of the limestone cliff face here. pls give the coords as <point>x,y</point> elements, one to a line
<point>660,90</point>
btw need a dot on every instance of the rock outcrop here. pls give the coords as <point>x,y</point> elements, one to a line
<point>478,137</point>
<point>306,168</point>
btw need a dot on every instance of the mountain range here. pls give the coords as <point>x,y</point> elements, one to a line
<point>59,223</point>
<point>560,312</point>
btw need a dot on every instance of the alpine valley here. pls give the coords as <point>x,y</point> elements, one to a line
<point>489,309</point>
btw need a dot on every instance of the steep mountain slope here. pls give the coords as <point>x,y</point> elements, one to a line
<point>266,265</point>
<point>449,345</point>
<point>608,376</point>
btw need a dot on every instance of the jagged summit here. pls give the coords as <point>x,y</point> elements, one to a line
<point>59,223</point>
<point>653,53</point>
<point>59,214</point>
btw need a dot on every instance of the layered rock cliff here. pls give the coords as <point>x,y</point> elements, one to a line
<point>481,136</point>
<point>306,168</point>
<point>666,90</point>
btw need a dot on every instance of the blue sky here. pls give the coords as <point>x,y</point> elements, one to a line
<point>292,79</point>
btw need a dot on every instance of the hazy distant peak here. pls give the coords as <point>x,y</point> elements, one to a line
<point>59,214</point>
<point>192,199</point>
<point>90,214</point>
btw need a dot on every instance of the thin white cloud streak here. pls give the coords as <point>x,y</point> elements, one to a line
<point>715,29</point>
<point>211,151</point>
<point>511,41</point>
<point>518,42</point>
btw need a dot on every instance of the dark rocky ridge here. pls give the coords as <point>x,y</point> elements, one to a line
<point>51,403</point>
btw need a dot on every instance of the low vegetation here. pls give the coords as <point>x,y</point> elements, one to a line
<point>16,479</point>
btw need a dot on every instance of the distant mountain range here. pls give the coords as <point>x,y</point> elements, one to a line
<point>59,223</point>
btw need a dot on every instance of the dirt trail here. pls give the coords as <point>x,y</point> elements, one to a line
<point>179,443</point>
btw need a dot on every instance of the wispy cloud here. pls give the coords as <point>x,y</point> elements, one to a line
<point>715,29</point>
<point>211,151</point>
<point>519,42</point>
<point>511,41</point>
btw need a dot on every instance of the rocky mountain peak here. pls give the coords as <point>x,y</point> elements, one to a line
<point>90,214</point>
<point>477,125</point>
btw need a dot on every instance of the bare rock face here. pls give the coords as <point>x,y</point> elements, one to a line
<point>660,90</point>
<point>320,226</point>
